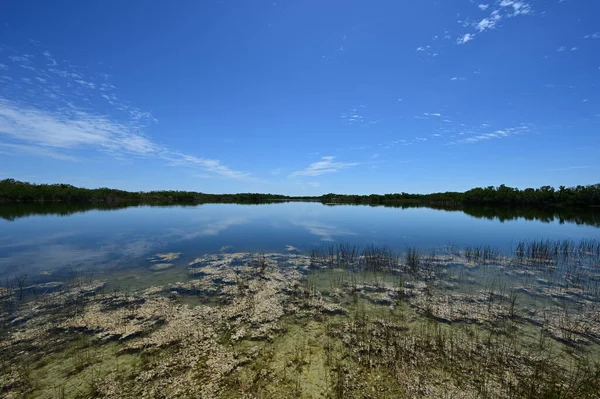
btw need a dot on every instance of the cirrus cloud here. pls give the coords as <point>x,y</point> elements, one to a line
<point>63,111</point>
<point>325,165</point>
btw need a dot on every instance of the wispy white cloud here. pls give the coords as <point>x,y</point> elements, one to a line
<point>325,165</point>
<point>570,168</point>
<point>487,136</point>
<point>467,37</point>
<point>67,129</point>
<point>89,85</point>
<point>22,58</point>
<point>518,7</point>
<point>498,11</point>
<point>595,35</point>
<point>209,165</point>
<point>489,22</point>
<point>561,49</point>
<point>357,116</point>
<point>496,134</point>
<point>15,149</point>
<point>52,112</point>
<point>553,86</point>
<point>202,175</point>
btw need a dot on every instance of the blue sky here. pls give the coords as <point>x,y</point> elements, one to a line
<point>300,97</point>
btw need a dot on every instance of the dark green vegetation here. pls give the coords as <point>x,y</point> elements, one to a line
<point>16,191</point>
<point>341,322</point>
<point>580,196</point>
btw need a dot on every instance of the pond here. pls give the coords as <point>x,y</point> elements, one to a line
<point>298,300</point>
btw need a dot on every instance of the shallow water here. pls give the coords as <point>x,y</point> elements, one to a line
<point>340,324</point>
<point>45,245</point>
<point>298,300</point>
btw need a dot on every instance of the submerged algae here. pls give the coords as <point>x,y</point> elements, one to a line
<point>287,325</point>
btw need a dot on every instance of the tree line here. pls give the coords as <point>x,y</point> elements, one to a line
<point>546,196</point>
<point>16,191</point>
<point>580,196</point>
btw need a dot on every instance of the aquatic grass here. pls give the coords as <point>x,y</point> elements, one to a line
<point>372,258</point>
<point>20,283</point>
<point>566,265</point>
<point>262,264</point>
<point>310,285</point>
<point>543,250</point>
<point>453,248</point>
<point>432,346</point>
<point>480,253</point>
<point>520,250</point>
<point>489,253</point>
<point>413,259</point>
<point>317,256</point>
<point>346,254</point>
<point>430,261</point>
<point>513,302</point>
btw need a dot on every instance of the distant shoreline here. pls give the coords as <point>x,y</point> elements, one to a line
<point>13,191</point>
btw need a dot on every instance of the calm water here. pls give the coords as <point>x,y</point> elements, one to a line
<point>45,246</point>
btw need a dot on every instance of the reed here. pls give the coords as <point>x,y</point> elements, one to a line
<point>413,259</point>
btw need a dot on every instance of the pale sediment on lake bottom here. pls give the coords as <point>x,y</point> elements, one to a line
<point>288,325</point>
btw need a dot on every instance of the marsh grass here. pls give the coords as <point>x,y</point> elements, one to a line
<point>544,250</point>
<point>571,268</point>
<point>378,259</point>
<point>413,259</point>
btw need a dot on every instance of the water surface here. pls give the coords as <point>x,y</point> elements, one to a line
<point>43,242</point>
<point>125,294</point>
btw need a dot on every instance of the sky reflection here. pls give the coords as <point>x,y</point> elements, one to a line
<point>127,237</point>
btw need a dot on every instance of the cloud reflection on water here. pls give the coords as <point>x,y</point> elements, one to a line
<point>48,253</point>
<point>325,232</point>
<point>212,228</point>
